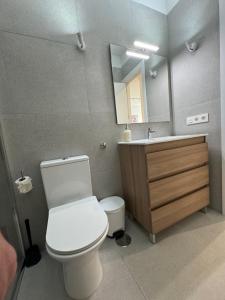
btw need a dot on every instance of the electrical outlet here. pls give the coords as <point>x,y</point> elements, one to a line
<point>197,119</point>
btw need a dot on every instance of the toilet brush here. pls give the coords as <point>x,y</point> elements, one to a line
<point>32,254</point>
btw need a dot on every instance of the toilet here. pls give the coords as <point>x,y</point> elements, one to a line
<point>77,224</point>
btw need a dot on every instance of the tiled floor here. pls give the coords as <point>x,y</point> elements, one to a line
<point>188,262</point>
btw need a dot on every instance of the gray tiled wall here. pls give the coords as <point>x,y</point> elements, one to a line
<point>195,77</point>
<point>58,101</point>
<point>7,224</point>
<point>7,205</point>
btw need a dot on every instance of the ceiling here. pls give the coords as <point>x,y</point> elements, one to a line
<point>163,6</point>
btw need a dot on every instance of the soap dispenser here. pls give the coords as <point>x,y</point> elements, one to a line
<point>126,134</point>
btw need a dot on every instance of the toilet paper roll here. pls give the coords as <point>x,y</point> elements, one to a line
<point>24,184</point>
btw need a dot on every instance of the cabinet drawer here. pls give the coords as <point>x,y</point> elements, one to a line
<point>168,189</point>
<point>170,162</point>
<point>169,214</point>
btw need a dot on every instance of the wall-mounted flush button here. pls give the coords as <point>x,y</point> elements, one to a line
<point>197,119</point>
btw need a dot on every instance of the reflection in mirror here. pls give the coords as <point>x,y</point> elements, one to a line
<point>141,87</point>
<point>129,86</point>
<point>157,89</point>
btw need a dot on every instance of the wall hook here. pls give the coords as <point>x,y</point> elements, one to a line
<point>103,145</point>
<point>80,41</point>
<point>192,46</point>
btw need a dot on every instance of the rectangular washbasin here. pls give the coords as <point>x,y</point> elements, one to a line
<point>162,139</point>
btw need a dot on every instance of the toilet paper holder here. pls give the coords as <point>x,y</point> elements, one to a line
<point>24,183</point>
<point>22,176</point>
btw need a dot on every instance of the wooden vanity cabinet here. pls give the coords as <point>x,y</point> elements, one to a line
<point>165,182</point>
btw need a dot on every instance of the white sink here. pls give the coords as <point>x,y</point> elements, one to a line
<point>162,139</point>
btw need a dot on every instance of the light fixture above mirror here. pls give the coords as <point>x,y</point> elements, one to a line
<point>137,54</point>
<point>146,46</point>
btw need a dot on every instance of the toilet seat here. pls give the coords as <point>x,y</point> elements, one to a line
<point>75,227</point>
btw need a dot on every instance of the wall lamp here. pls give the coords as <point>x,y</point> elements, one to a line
<point>137,55</point>
<point>146,46</point>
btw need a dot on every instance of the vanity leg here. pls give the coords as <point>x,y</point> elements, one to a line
<point>204,210</point>
<point>152,238</point>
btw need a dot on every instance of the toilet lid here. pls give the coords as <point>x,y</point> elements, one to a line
<point>76,226</point>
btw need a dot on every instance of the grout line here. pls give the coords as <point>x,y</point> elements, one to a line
<point>47,113</point>
<point>18,284</point>
<point>138,285</point>
<point>141,290</point>
<point>37,37</point>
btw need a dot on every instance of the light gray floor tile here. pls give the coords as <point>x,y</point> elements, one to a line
<point>187,263</point>
<point>186,260</point>
<point>117,284</point>
<point>45,281</point>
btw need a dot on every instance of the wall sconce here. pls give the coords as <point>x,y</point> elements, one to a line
<point>192,46</point>
<point>80,41</point>
<point>146,46</point>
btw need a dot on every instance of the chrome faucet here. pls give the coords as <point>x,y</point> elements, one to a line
<point>150,131</point>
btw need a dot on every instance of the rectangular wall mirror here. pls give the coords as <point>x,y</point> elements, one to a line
<point>141,87</point>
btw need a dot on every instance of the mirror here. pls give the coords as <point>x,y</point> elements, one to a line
<point>141,87</point>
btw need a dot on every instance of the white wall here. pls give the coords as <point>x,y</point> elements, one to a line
<point>159,5</point>
<point>163,6</point>
<point>170,4</point>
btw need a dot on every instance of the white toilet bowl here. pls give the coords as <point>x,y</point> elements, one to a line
<point>77,224</point>
<point>75,232</point>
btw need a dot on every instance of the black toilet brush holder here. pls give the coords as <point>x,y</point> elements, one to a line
<point>32,254</point>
